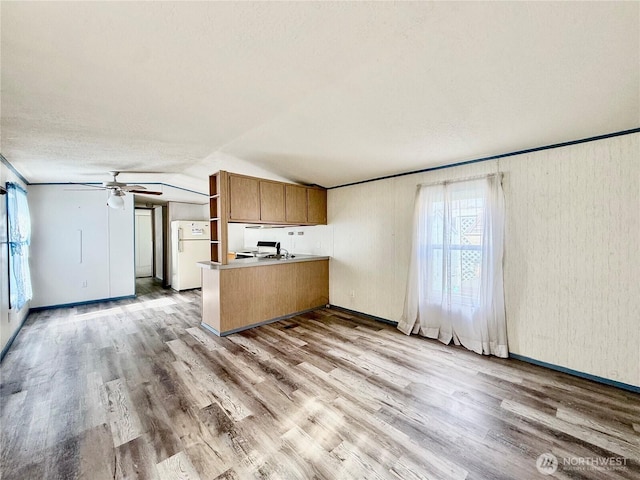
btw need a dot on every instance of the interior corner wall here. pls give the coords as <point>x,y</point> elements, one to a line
<point>10,320</point>
<point>81,250</point>
<point>572,255</point>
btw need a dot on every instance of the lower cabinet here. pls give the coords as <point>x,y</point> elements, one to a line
<point>235,299</point>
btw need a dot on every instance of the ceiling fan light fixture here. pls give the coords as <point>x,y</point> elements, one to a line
<point>115,200</point>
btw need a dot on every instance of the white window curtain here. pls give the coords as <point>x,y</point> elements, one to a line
<point>19,240</point>
<point>455,287</point>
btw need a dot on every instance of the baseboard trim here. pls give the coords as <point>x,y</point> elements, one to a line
<point>209,328</point>
<point>79,304</point>
<point>258,324</point>
<point>6,348</point>
<point>365,315</point>
<point>576,373</point>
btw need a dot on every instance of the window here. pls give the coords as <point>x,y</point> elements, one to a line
<point>454,287</point>
<point>19,239</point>
<point>455,257</point>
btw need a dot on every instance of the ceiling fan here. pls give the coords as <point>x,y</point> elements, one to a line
<point>119,189</point>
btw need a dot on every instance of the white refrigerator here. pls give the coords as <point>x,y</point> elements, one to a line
<point>189,245</point>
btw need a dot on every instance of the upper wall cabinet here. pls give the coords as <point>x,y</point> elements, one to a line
<point>272,202</point>
<point>257,200</point>
<point>296,204</point>
<point>316,206</point>
<point>244,198</point>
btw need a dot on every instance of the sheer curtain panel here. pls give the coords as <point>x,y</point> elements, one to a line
<point>455,287</point>
<point>19,240</point>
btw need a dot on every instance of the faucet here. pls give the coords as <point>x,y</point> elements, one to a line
<point>278,250</point>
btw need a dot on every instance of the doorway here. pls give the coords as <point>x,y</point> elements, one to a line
<point>144,242</point>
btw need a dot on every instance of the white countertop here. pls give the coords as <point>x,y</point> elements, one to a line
<point>260,262</point>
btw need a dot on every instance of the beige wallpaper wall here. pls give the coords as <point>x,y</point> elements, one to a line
<point>572,252</point>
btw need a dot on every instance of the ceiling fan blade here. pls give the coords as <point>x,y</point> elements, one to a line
<point>142,171</point>
<point>144,192</point>
<point>130,188</point>
<point>91,186</point>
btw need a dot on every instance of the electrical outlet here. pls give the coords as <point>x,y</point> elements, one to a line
<point>83,284</point>
<point>353,294</point>
<point>290,233</point>
<point>300,233</point>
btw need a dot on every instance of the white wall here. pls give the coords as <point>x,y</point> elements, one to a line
<point>235,236</point>
<point>10,320</point>
<point>188,211</point>
<point>81,250</point>
<point>572,252</point>
<point>311,240</point>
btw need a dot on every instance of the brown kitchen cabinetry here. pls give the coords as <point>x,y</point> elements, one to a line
<point>301,286</point>
<point>235,198</point>
<point>296,204</point>
<point>316,206</point>
<point>244,198</point>
<point>257,200</point>
<point>272,202</point>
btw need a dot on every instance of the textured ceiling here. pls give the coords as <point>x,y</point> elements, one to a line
<point>326,93</point>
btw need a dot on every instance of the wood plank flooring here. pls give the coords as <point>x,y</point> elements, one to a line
<point>136,389</point>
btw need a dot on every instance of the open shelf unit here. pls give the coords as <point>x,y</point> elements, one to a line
<point>218,216</point>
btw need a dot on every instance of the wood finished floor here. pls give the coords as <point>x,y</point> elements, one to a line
<point>136,389</point>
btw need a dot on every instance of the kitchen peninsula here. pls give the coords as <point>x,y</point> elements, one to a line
<point>253,291</point>
<point>242,293</point>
